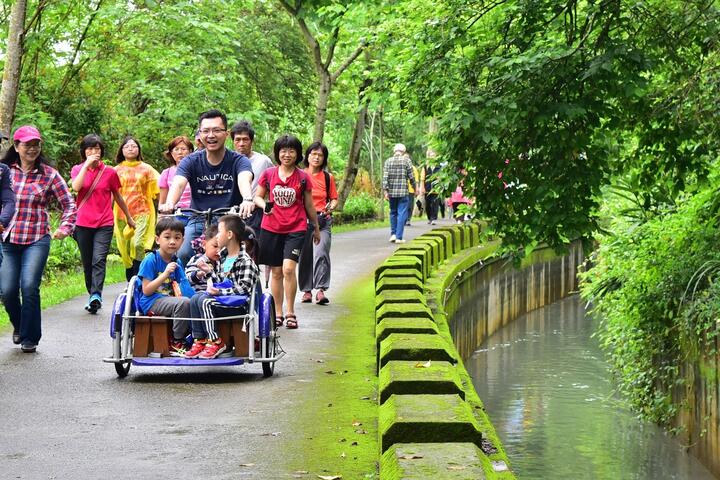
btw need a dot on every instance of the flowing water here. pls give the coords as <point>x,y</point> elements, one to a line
<point>548,390</point>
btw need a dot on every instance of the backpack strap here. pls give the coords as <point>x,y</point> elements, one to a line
<point>327,186</point>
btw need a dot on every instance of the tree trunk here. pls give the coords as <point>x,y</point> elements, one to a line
<point>355,144</point>
<point>322,104</point>
<point>13,62</point>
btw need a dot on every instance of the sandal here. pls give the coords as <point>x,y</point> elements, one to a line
<point>291,321</point>
<point>279,321</point>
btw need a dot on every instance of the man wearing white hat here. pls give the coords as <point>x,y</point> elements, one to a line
<point>397,172</point>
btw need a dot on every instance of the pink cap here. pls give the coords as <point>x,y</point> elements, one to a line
<point>26,133</point>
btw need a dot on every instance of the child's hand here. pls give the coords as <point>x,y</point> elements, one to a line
<point>212,290</point>
<point>170,269</point>
<point>202,265</point>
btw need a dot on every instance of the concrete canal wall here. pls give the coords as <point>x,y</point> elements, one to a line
<point>432,423</point>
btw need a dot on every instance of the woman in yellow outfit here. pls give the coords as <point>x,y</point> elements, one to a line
<point>138,186</point>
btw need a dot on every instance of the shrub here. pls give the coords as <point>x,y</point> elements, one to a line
<point>361,206</point>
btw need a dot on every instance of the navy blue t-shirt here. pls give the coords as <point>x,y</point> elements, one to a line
<point>213,186</point>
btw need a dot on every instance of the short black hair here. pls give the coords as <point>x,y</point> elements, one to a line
<point>213,113</point>
<point>288,141</point>
<point>243,126</point>
<point>169,223</point>
<point>91,140</point>
<point>317,146</point>
<point>211,231</point>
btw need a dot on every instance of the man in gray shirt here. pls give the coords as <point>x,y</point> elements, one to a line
<point>243,136</point>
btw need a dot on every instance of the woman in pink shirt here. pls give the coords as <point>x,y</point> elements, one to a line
<point>97,186</point>
<point>287,211</point>
<point>178,148</point>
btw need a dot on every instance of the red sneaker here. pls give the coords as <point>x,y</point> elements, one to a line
<point>307,297</point>
<point>213,349</point>
<point>197,347</point>
<point>177,348</point>
<point>321,299</point>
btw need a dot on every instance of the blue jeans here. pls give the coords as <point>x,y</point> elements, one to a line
<point>398,215</point>
<point>21,273</point>
<point>194,228</point>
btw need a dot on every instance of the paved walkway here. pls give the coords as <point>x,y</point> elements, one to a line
<point>66,415</point>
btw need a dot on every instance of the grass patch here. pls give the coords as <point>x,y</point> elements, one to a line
<point>338,419</point>
<point>66,285</point>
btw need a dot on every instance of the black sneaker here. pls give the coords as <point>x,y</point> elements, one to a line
<point>28,347</point>
<point>16,337</point>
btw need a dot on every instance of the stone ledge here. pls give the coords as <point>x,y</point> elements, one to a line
<point>416,347</point>
<point>403,325</point>
<point>398,283</point>
<point>421,252</point>
<point>399,296</point>
<point>438,461</point>
<point>414,378</point>
<point>402,310</point>
<point>427,419</point>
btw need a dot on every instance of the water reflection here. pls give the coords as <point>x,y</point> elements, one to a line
<point>548,391</point>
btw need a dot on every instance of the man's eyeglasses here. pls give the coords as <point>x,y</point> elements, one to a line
<point>214,131</point>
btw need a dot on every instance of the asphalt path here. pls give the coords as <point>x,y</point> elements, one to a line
<point>66,415</point>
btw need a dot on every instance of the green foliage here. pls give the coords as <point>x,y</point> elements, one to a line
<point>540,103</point>
<point>654,286</point>
<point>361,206</point>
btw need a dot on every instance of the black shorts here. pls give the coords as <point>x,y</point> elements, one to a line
<point>276,247</point>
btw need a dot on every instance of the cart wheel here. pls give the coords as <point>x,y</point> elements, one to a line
<point>122,369</point>
<point>269,342</point>
<point>269,367</point>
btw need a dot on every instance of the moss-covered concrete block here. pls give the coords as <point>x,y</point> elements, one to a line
<point>400,310</point>
<point>400,272</point>
<point>475,229</point>
<point>456,236</point>
<point>446,237</point>
<point>401,262</point>
<point>414,378</point>
<point>426,419</point>
<point>438,461</point>
<point>420,252</point>
<point>437,251</point>
<point>403,325</point>
<point>398,283</point>
<point>415,347</point>
<point>399,296</point>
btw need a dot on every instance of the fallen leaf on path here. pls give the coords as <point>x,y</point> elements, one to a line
<point>274,434</point>
<point>301,472</point>
<point>364,398</point>
<point>320,361</point>
<point>356,423</point>
<point>247,464</point>
<point>343,440</point>
<point>330,372</point>
<point>330,477</point>
<point>424,365</point>
<point>456,467</point>
<point>354,444</point>
<point>342,455</point>
<point>361,431</point>
<point>411,456</point>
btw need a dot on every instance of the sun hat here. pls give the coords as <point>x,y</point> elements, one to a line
<point>26,133</point>
<point>399,147</point>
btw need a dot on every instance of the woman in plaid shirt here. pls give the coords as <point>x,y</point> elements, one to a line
<point>26,240</point>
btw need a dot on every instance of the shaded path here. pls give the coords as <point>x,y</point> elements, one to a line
<point>67,416</point>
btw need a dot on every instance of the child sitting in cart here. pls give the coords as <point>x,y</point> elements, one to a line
<point>235,239</point>
<point>165,290</point>
<point>204,265</point>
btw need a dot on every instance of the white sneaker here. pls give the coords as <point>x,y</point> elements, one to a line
<point>400,241</point>
<point>433,222</point>
<point>392,238</point>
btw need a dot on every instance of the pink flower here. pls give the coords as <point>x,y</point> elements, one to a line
<point>507,161</point>
<point>500,175</point>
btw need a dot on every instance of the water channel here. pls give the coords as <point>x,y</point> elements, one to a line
<point>548,390</point>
